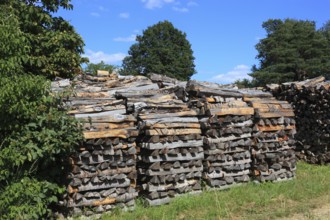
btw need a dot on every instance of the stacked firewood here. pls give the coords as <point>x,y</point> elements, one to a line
<point>311,101</point>
<point>273,147</point>
<point>103,173</point>
<point>226,122</point>
<point>170,145</point>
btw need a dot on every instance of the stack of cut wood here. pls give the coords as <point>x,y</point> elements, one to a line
<point>103,174</point>
<point>311,102</point>
<point>273,149</point>
<point>171,153</point>
<point>226,122</point>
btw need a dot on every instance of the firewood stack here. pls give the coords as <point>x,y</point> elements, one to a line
<point>103,174</point>
<point>273,149</point>
<point>311,102</point>
<point>171,153</point>
<point>226,122</point>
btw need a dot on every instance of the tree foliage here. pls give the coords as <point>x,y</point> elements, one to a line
<point>161,49</point>
<point>292,50</point>
<point>93,67</point>
<point>49,45</point>
<point>35,139</point>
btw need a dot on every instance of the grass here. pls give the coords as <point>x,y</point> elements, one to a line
<point>309,190</point>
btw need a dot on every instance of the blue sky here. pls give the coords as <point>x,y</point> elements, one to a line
<point>223,33</point>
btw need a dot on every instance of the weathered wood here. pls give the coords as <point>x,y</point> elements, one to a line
<point>104,126</point>
<point>232,111</point>
<point>274,114</point>
<point>171,145</point>
<point>276,128</point>
<point>178,157</point>
<point>168,115</point>
<point>121,133</point>
<point>109,118</point>
<point>161,132</point>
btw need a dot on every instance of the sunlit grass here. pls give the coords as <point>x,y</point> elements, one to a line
<point>309,190</point>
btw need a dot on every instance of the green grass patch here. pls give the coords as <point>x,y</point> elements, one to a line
<point>307,191</point>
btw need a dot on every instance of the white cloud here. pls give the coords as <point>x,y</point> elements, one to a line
<point>101,8</point>
<point>125,39</point>
<point>192,4</point>
<point>183,9</point>
<point>98,56</point>
<point>124,15</point>
<point>239,72</point>
<point>151,4</point>
<point>95,14</point>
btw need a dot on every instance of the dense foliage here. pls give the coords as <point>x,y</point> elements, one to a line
<point>93,67</point>
<point>35,139</point>
<point>161,49</point>
<point>50,44</point>
<point>292,50</point>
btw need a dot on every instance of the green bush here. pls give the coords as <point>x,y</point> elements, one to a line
<point>35,140</point>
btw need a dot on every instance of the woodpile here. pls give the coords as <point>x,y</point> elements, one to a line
<point>170,144</point>
<point>160,137</point>
<point>311,101</point>
<point>226,121</point>
<point>103,173</point>
<point>273,149</point>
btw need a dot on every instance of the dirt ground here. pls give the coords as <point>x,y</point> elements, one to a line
<point>321,213</point>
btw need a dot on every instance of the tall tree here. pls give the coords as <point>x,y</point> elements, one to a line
<point>54,48</point>
<point>292,50</point>
<point>161,49</point>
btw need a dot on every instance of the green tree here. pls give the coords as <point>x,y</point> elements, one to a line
<point>35,140</point>
<point>292,50</point>
<point>13,45</point>
<point>161,49</point>
<point>54,48</point>
<point>93,67</point>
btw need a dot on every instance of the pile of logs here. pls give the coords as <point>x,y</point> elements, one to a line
<point>311,102</point>
<point>170,145</point>
<point>273,149</point>
<point>103,173</point>
<point>160,137</point>
<point>226,122</point>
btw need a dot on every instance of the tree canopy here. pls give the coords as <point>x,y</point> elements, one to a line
<point>49,45</point>
<point>292,50</point>
<point>161,49</point>
<point>93,67</point>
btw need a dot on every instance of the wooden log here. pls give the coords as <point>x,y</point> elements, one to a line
<point>91,109</point>
<point>232,111</point>
<point>102,114</point>
<point>178,157</point>
<point>116,118</point>
<point>105,126</point>
<point>173,125</point>
<point>173,171</point>
<point>161,132</point>
<point>222,174</point>
<point>170,145</point>
<point>121,133</point>
<point>88,187</point>
<point>274,114</point>
<point>168,115</point>
<point>276,128</point>
<point>225,139</point>
<point>86,174</point>
<point>168,120</point>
